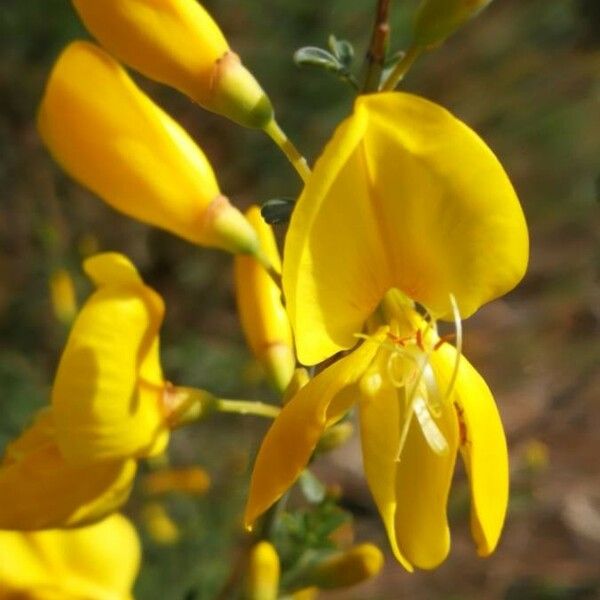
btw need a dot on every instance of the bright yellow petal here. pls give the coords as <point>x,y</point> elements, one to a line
<point>40,490</point>
<point>483,450</point>
<point>108,388</point>
<point>380,439</point>
<point>97,562</point>
<point>290,441</point>
<point>423,480</point>
<point>405,195</point>
<point>113,139</point>
<point>178,43</point>
<point>263,317</point>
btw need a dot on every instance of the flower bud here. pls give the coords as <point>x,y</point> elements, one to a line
<point>40,489</point>
<point>162,529</point>
<point>348,568</point>
<point>109,388</point>
<point>190,480</point>
<point>62,295</point>
<point>114,140</point>
<point>263,573</point>
<point>438,19</point>
<point>335,436</point>
<point>177,43</point>
<point>264,319</point>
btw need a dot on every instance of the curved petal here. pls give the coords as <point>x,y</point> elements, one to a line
<point>405,195</point>
<point>290,441</point>
<point>483,448</point>
<point>380,439</point>
<point>97,562</point>
<point>40,490</point>
<point>108,388</point>
<point>423,480</point>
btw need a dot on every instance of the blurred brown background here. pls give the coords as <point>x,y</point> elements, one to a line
<point>525,76</point>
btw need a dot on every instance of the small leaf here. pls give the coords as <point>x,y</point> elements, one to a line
<point>277,210</point>
<point>317,57</point>
<point>313,490</point>
<point>343,50</point>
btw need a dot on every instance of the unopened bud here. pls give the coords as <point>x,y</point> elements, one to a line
<point>178,43</point>
<point>62,294</point>
<point>114,140</point>
<point>263,573</point>
<point>438,19</point>
<point>299,379</point>
<point>191,480</point>
<point>161,528</point>
<point>335,436</point>
<point>348,568</point>
<point>264,319</point>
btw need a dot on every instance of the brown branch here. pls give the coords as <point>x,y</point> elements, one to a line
<point>377,52</point>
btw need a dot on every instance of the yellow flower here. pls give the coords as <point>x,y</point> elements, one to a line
<point>109,390</point>
<point>113,139</point>
<point>408,218</point>
<point>40,489</point>
<point>177,42</point>
<point>264,320</point>
<point>62,295</point>
<point>186,480</point>
<point>262,579</point>
<point>97,562</point>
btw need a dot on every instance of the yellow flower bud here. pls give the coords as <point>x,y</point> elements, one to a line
<point>160,526</point>
<point>109,388</point>
<point>114,140</point>
<point>348,568</point>
<point>263,316</point>
<point>40,489</point>
<point>191,480</point>
<point>263,573</point>
<point>96,562</point>
<point>335,436</point>
<point>177,42</point>
<point>438,19</point>
<point>300,378</point>
<point>62,295</point>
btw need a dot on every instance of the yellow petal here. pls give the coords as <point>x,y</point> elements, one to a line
<point>380,427</point>
<point>40,490</point>
<point>423,480</point>
<point>262,579</point>
<point>290,441</point>
<point>97,562</point>
<point>113,139</point>
<point>264,320</point>
<point>483,449</point>
<point>407,196</point>
<point>108,391</point>
<point>177,42</point>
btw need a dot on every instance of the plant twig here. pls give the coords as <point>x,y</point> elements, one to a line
<point>376,54</point>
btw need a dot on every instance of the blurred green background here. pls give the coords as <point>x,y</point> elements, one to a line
<point>525,75</point>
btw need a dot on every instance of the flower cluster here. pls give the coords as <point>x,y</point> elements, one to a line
<point>407,220</point>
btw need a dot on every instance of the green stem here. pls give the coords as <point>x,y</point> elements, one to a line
<point>285,145</point>
<point>401,69</point>
<point>247,407</point>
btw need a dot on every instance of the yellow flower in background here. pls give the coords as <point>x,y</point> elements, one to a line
<point>177,42</point>
<point>264,320</point>
<point>62,295</point>
<point>408,218</point>
<point>159,525</point>
<point>40,489</point>
<point>262,577</point>
<point>97,562</point>
<point>108,394</point>
<point>113,139</point>
<point>185,480</point>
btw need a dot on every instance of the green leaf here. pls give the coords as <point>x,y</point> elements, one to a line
<point>343,50</point>
<point>317,57</point>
